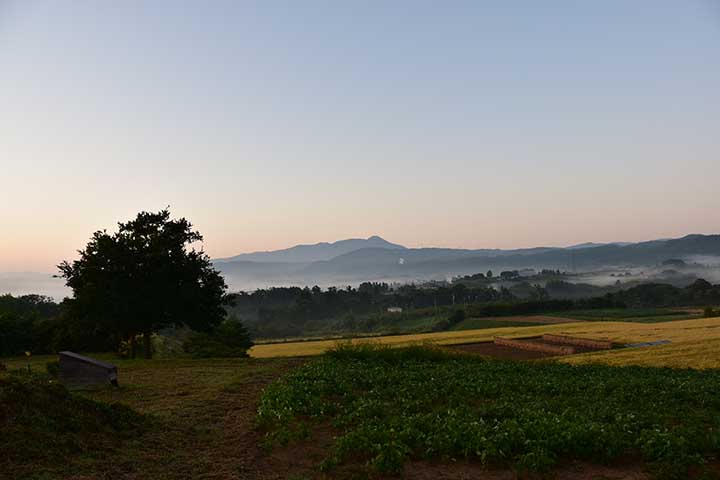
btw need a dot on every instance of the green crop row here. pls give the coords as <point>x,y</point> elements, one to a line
<point>389,406</point>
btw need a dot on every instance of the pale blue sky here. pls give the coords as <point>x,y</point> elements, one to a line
<point>473,124</point>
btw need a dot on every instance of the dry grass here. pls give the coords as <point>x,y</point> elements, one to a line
<point>699,354</point>
<point>694,342</point>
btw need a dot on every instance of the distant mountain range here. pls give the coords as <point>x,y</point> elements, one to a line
<point>350,262</point>
<point>375,259</point>
<point>313,253</point>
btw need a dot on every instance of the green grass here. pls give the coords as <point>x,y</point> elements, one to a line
<point>195,416</point>
<point>413,324</point>
<point>482,323</point>
<point>646,315</point>
<point>43,423</point>
<point>388,406</point>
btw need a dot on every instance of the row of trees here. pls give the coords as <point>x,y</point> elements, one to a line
<point>286,312</point>
<point>283,312</point>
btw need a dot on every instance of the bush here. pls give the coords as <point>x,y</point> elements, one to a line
<point>710,312</point>
<point>458,316</point>
<point>230,339</point>
<point>53,368</point>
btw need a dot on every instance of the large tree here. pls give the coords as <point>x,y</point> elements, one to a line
<point>145,277</point>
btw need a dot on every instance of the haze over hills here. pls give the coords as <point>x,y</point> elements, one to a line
<point>375,259</point>
<point>352,261</point>
<point>22,283</point>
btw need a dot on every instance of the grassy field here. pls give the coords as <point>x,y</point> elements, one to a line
<point>483,323</point>
<point>201,413</point>
<point>200,423</point>
<point>357,417</point>
<point>648,315</point>
<point>687,349</point>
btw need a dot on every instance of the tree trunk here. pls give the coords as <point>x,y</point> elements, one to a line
<point>133,347</point>
<point>147,344</point>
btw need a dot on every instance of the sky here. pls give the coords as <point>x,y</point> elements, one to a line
<point>268,124</point>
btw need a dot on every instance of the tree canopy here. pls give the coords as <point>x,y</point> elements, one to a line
<point>145,277</point>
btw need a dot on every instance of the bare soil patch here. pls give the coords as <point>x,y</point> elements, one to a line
<point>490,349</point>
<point>508,352</point>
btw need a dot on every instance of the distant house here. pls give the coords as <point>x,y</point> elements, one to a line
<point>394,309</point>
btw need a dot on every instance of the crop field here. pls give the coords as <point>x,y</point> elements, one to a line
<point>389,410</point>
<point>698,354</point>
<point>685,351</point>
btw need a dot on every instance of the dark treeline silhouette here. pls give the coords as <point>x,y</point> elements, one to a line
<point>293,311</point>
<point>28,323</point>
<point>37,324</point>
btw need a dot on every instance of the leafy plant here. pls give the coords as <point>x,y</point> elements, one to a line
<point>391,405</point>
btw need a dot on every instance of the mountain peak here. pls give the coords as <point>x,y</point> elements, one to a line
<point>315,252</point>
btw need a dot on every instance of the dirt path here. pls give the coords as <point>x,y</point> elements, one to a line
<point>237,454</point>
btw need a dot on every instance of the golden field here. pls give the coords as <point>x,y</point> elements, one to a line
<point>695,343</point>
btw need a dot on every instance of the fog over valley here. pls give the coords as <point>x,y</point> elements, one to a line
<point>353,261</point>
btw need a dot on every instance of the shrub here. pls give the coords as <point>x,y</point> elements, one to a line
<point>230,339</point>
<point>458,316</point>
<point>710,312</point>
<point>53,368</point>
